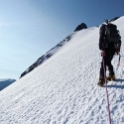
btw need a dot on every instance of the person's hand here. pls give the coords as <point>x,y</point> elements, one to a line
<point>117,48</point>
<point>103,53</point>
<point>117,51</point>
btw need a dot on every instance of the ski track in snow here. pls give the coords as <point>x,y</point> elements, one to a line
<point>63,90</point>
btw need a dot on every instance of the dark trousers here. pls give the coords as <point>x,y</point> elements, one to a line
<point>107,63</point>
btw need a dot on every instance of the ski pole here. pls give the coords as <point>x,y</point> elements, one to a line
<point>118,61</point>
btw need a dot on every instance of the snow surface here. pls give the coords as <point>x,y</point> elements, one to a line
<point>46,56</point>
<point>63,90</point>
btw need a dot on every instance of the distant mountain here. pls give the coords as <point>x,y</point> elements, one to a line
<point>5,82</point>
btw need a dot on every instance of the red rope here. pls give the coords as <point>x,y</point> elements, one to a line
<point>106,91</point>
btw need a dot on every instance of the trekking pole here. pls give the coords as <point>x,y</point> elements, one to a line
<point>106,91</point>
<point>118,61</point>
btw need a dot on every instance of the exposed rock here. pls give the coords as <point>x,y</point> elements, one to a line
<point>81,26</point>
<point>114,19</point>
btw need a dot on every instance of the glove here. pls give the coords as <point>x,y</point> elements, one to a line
<point>117,48</point>
<point>117,51</point>
<point>103,53</point>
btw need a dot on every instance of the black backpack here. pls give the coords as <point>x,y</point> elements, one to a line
<point>111,33</point>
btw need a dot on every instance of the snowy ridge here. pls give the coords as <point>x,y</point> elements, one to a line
<point>46,56</point>
<point>63,90</point>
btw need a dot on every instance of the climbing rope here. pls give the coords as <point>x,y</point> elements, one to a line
<point>106,92</point>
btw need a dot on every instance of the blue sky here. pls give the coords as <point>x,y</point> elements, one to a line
<point>29,28</point>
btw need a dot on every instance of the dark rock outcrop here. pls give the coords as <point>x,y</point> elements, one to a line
<point>81,26</point>
<point>114,19</point>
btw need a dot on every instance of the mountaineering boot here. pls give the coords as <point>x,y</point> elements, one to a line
<point>101,82</point>
<point>109,78</point>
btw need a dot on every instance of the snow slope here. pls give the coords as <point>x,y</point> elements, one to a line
<point>63,90</point>
<point>46,56</point>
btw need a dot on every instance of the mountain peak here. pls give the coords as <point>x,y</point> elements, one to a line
<point>80,27</point>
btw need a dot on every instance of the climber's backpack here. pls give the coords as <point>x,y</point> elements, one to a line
<point>112,34</point>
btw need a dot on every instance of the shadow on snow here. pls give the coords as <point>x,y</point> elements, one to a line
<point>116,85</point>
